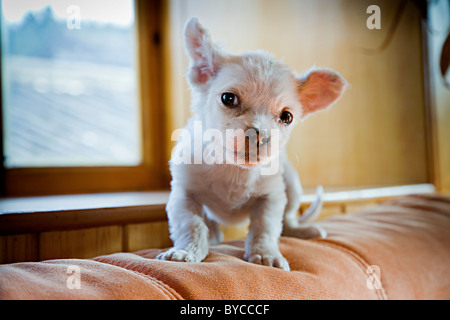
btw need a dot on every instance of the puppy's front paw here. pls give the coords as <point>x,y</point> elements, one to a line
<point>269,259</point>
<point>179,255</point>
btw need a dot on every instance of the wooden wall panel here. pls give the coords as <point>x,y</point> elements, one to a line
<point>147,235</point>
<point>233,232</point>
<point>19,248</point>
<point>84,243</point>
<point>375,135</point>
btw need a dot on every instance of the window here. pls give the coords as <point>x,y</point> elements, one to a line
<point>70,85</point>
<point>75,113</point>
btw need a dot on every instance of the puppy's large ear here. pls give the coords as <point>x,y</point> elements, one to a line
<point>318,89</point>
<point>205,57</point>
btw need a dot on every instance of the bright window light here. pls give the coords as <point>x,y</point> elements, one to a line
<point>69,83</point>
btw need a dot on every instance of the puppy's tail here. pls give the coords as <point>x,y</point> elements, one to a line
<point>314,209</point>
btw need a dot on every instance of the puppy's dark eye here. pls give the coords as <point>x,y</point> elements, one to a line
<point>286,117</point>
<point>230,99</point>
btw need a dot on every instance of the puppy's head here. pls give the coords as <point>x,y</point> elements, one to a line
<point>253,99</point>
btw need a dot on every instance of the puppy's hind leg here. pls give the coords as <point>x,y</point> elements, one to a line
<point>293,226</point>
<point>215,235</point>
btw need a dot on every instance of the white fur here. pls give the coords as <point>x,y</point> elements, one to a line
<point>204,195</point>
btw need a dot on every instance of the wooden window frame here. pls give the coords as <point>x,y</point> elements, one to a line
<point>152,173</point>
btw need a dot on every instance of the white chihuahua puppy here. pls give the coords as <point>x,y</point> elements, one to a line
<point>233,95</point>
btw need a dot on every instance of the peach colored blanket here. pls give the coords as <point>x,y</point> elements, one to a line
<point>398,250</point>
